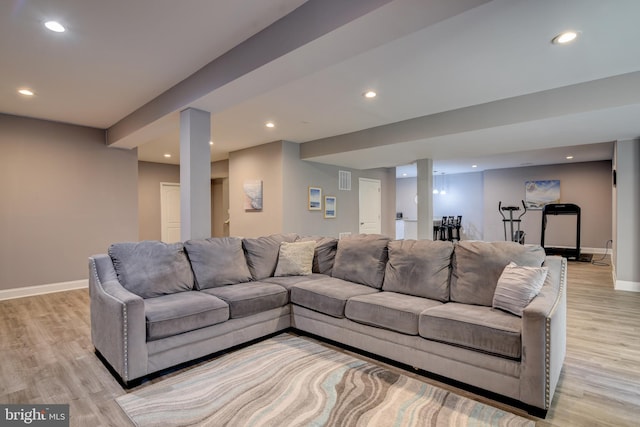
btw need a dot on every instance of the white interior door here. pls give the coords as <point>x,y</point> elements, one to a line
<point>370,206</point>
<point>170,212</point>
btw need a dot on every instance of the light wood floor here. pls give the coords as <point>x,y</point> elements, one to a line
<point>46,356</point>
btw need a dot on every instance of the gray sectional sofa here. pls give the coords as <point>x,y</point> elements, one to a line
<point>491,315</point>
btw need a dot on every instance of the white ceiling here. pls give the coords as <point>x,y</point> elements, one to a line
<point>118,55</point>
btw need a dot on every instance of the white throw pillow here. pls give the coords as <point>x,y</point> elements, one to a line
<point>517,286</point>
<point>295,259</point>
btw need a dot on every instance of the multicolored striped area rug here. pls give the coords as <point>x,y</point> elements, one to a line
<point>294,381</point>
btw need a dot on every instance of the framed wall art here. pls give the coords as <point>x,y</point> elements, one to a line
<point>329,206</point>
<point>252,195</point>
<point>315,199</point>
<point>540,193</point>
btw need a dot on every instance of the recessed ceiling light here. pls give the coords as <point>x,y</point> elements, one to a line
<point>54,26</point>
<point>369,94</point>
<point>270,124</point>
<point>25,92</point>
<point>569,157</point>
<point>210,142</point>
<point>566,37</point>
<point>474,166</point>
<point>167,155</point>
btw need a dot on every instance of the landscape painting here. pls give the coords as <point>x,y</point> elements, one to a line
<point>541,193</point>
<point>252,195</point>
<point>315,199</point>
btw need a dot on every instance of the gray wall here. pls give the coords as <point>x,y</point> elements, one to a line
<point>285,179</point>
<point>65,196</point>
<point>299,175</point>
<point>262,162</point>
<point>627,265</point>
<point>587,184</point>
<point>150,175</point>
<point>475,196</point>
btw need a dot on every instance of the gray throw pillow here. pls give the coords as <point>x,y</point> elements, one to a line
<point>295,259</point>
<point>151,269</point>
<point>325,253</point>
<point>420,268</point>
<point>362,259</point>
<point>217,261</point>
<point>517,286</point>
<point>476,267</point>
<point>262,253</point>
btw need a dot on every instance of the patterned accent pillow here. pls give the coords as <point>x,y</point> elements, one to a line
<point>517,286</point>
<point>295,259</point>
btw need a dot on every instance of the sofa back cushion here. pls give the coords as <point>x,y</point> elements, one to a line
<point>420,268</point>
<point>262,253</point>
<point>217,261</point>
<point>151,268</point>
<point>477,266</point>
<point>361,259</point>
<point>325,253</point>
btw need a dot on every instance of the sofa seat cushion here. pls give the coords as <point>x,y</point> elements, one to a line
<point>288,282</point>
<point>245,299</point>
<point>174,314</point>
<point>480,328</point>
<point>389,310</point>
<point>328,295</point>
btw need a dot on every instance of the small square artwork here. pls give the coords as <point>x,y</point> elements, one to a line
<point>329,206</point>
<point>541,193</point>
<point>315,199</point>
<point>252,195</point>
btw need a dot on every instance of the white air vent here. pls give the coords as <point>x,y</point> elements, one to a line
<point>344,180</point>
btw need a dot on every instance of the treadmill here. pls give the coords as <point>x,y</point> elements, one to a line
<point>561,209</point>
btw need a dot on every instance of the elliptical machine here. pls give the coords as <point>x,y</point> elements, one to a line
<point>518,235</point>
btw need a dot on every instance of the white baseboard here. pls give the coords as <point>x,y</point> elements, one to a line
<point>600,251</point>
<point>623,285</point>
<point>43,289</point>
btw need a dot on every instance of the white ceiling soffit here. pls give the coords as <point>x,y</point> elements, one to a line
<point>116,55</point>
<point>548,156</point>
<point>241,107</point>
<point>496,51</point>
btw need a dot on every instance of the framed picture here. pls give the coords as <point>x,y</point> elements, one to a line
<point>315,199</point>
<point>540,193</point>
<point>252,195</point>
<point>329,206</point>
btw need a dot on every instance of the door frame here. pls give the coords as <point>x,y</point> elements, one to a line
<point>163,203</point>
<point>360,195</point>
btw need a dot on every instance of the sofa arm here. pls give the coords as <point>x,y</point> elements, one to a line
<point>544,331</point>
<point>118,324</point>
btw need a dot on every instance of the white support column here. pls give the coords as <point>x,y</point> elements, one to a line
<point>195,174</point>
<point>425,199</point>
